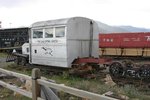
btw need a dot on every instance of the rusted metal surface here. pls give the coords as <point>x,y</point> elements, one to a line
<point>88,67</point>
<point>92,60</point>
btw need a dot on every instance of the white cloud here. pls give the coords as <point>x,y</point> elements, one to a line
<point>113,12</point>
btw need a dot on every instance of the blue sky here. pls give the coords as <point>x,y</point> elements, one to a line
<point>18,13</point>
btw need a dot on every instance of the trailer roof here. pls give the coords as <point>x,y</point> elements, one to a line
<point>51,22</point>
<point>63,21</point>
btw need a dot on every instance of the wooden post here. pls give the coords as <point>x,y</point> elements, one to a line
<point>35,86</point>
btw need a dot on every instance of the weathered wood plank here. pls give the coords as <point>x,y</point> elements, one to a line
<point>39,98</point>
<point>14,88</point>
<point>74,91</point>
<point>18,90</point>
<point>35,86</point>
<point>15,74</point>
<point>70,90</point>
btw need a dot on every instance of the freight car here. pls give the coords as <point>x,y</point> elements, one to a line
<point>11,38</point>
<point>126,46</point>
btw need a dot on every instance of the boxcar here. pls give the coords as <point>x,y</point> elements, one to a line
<point>125,44</point>
<point>13,37</point>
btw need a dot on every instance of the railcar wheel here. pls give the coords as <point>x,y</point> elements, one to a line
<point>144,71</point>
<point>116,69</point>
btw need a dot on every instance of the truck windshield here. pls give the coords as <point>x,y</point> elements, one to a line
<point>48,32</point>
<point>38,33</point>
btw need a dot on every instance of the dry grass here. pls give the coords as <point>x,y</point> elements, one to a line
<point>92,85</point>
<point>3,55</point>
<point>6,94</point>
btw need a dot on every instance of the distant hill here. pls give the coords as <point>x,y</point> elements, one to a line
<point>134,29</point>
<point>104,28</point>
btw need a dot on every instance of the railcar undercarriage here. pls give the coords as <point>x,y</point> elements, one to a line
<point>124,72</point>
<point>128,69</point>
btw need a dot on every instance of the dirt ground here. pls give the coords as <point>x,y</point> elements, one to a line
<point>3,62</point>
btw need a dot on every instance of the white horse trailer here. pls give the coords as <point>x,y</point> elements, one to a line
<point>59,42</point>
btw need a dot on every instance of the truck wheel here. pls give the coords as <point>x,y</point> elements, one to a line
<point>23,61</point>
<point>16,61</point>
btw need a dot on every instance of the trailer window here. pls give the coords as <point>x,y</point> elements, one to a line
<point>38,33</point>
<point>60,31</point>
<point>49,33</point>
<point>27,49</point>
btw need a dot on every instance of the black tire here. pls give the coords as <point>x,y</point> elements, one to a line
<point>116,69</point>
<point>16,61</point>
<point>144,71</point>
<point>23,61</point>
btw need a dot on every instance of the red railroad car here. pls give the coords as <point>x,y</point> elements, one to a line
<point>125,40</point>
<point>125,44</point>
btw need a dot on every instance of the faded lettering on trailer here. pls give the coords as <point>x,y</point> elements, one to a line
<point>148,38</point>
